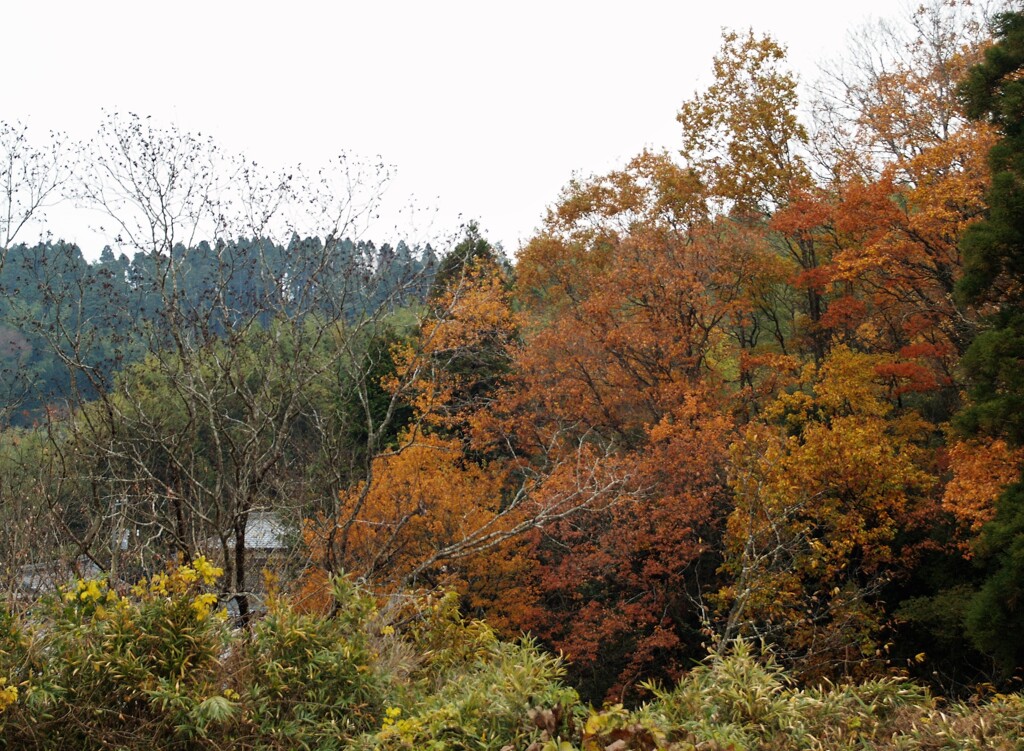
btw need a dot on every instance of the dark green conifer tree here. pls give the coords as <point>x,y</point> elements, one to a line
<point>993,281</point>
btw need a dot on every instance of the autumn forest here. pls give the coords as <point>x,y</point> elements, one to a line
<point>763,390</point>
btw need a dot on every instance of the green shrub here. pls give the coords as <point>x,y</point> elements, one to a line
<point>159,667</point>
<point>311,682</point>
<point>471,691</point>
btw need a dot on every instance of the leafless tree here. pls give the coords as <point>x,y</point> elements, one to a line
<point>229,393</point>
<point>893,92</point>
<point>31,178</point>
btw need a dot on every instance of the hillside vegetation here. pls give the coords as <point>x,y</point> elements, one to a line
<point>741,421</point>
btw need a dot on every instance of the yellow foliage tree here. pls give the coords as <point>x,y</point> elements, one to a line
<point>820,504</point>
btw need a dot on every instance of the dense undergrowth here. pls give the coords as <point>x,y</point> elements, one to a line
<point>161,667</point>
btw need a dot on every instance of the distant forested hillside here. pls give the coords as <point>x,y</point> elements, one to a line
<point>53,301</point>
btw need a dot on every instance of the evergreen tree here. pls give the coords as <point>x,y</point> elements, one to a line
<point>993,280</point>
<point>474,247</point>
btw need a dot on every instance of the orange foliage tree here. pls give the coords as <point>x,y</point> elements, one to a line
<point>699,407</point>
<point>981,468</point>
<point>909,174</point>
<point>426,501</point>
<point>630,294</point>
<point>450,503</point>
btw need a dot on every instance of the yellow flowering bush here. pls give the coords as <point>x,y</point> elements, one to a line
<point>206,570</point>
<point>185,581</point>
<point>8,694</point>
<point>181,580</point>
<point>148,658</point>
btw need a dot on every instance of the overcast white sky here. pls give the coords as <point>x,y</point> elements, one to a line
<point>486,109</point>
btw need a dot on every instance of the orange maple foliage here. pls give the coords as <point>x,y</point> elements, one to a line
<point>981,470</point>
<point>427,505</point>
<point>909,175</point>
<point>901,256</point>
<point>431,517</point>
<point>454,367</point>
<point>628,348</point>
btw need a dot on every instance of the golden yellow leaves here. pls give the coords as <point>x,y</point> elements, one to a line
<point>742,134</point>
<point>8,694</point>
<point>820,505</point>
<point>424,498</point>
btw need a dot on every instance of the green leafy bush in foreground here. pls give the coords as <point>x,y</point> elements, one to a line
<point>737,702</point>
<point>159,667</point>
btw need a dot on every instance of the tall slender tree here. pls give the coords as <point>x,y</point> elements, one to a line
<point>993,280</point>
